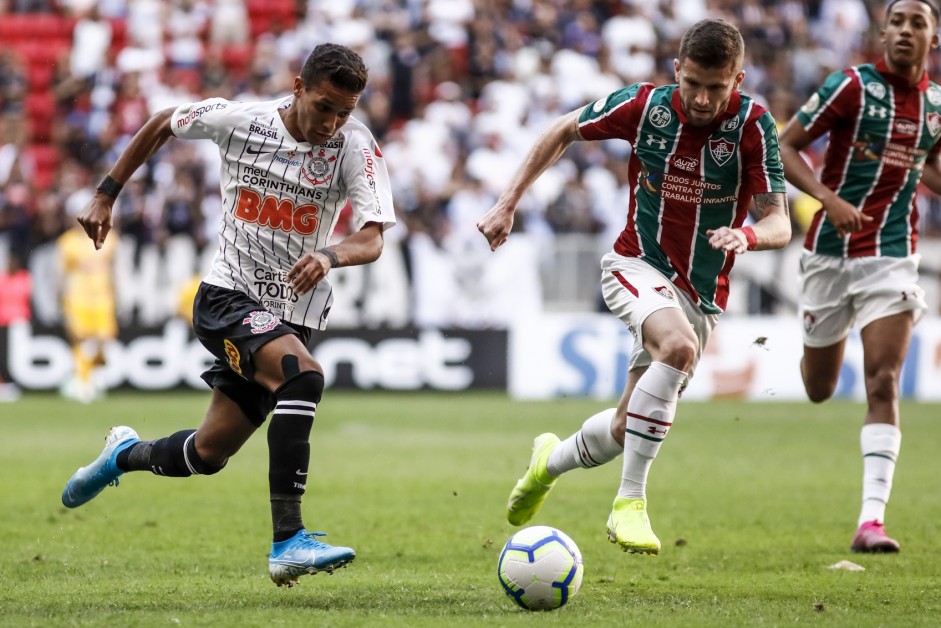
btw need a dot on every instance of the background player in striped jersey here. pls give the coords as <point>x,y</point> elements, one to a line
<point>702,152</point>
<point>289,166</point>
<point>859,264</point>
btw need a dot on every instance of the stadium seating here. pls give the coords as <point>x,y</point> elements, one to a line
<point>41,39</point>
<point>263,13</point>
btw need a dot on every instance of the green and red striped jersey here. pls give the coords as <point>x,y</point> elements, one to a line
<point>882,130</point>
<point>686,180</point>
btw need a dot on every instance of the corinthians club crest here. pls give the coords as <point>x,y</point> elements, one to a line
<point>317,166</point>
<point>261,321</point>
<point>721,150</point>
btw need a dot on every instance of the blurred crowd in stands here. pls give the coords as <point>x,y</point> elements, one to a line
<point>458,90</point>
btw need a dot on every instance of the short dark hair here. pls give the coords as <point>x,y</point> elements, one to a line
<point>928,3</point>
<point>713,44</point>
<point>343,67</point>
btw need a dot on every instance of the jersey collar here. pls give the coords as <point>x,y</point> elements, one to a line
<point>898,82</point>
<point>735,103</point>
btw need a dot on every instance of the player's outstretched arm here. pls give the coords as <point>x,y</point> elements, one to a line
<point>844,217</point>
<point>771,231</point>
<point>96,217</point>
<point>498,222</point>
<point>361,247</point>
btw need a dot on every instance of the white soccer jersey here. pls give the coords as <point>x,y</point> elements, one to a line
<point>282,198</point>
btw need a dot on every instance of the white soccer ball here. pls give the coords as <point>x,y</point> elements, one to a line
<point>540,568</point>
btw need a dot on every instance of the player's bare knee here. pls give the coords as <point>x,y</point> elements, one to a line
<point>618,425</point>
<point>819,389</point>
<point>882,385</point>
<point>678,351</point>
<point>817,393</point>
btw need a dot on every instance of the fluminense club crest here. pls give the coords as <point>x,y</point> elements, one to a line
<point>810,321</point>
<point>665,292</point>
<point>933,120</point>
<point>721,150</point>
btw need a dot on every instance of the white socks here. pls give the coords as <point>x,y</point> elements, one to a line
<point>591,446</point>
<point>650,414</point>
<point>880,443</point>
<point>649,417</point>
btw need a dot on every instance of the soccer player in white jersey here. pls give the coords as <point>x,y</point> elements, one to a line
<point>859,264</point>
<point>702,152</point>
<point>289,167</point>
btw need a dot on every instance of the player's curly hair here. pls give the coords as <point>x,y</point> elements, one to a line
<point>343,67</point>
<point>713,44</point>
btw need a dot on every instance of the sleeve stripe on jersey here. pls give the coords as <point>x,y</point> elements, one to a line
<point>741,143</point>
<point>764,157</point>
<point>836,94</point>
<point>595,120</point>
<point>640,125</point>
<point>763,141</point>
<point>862,101</point>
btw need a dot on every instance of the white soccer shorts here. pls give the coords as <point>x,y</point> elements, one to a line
<point>837,292</point>
<point>633,290</point>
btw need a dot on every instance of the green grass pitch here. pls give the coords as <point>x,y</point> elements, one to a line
<point>753,503</point>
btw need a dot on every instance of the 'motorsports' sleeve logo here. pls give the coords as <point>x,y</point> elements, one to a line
<point>195,113</point>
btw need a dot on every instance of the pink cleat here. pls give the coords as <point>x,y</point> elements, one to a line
<point>871,538</point>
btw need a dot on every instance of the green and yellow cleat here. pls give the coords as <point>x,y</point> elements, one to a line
<point>531,490</point>
<point>629,527</point>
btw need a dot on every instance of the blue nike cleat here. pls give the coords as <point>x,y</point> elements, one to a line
<point>302,554</point>
<point>88,481</point>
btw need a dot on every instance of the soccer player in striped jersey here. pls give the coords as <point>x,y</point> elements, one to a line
<point>859,265</point>
<point>289,166</point>
<point>702,153</point>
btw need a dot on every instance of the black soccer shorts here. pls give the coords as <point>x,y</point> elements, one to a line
<point>232,326</point>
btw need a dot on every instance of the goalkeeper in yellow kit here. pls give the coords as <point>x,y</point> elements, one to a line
<point>88,304</point>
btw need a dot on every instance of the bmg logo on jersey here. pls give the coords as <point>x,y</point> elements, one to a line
<point>276,213</point>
